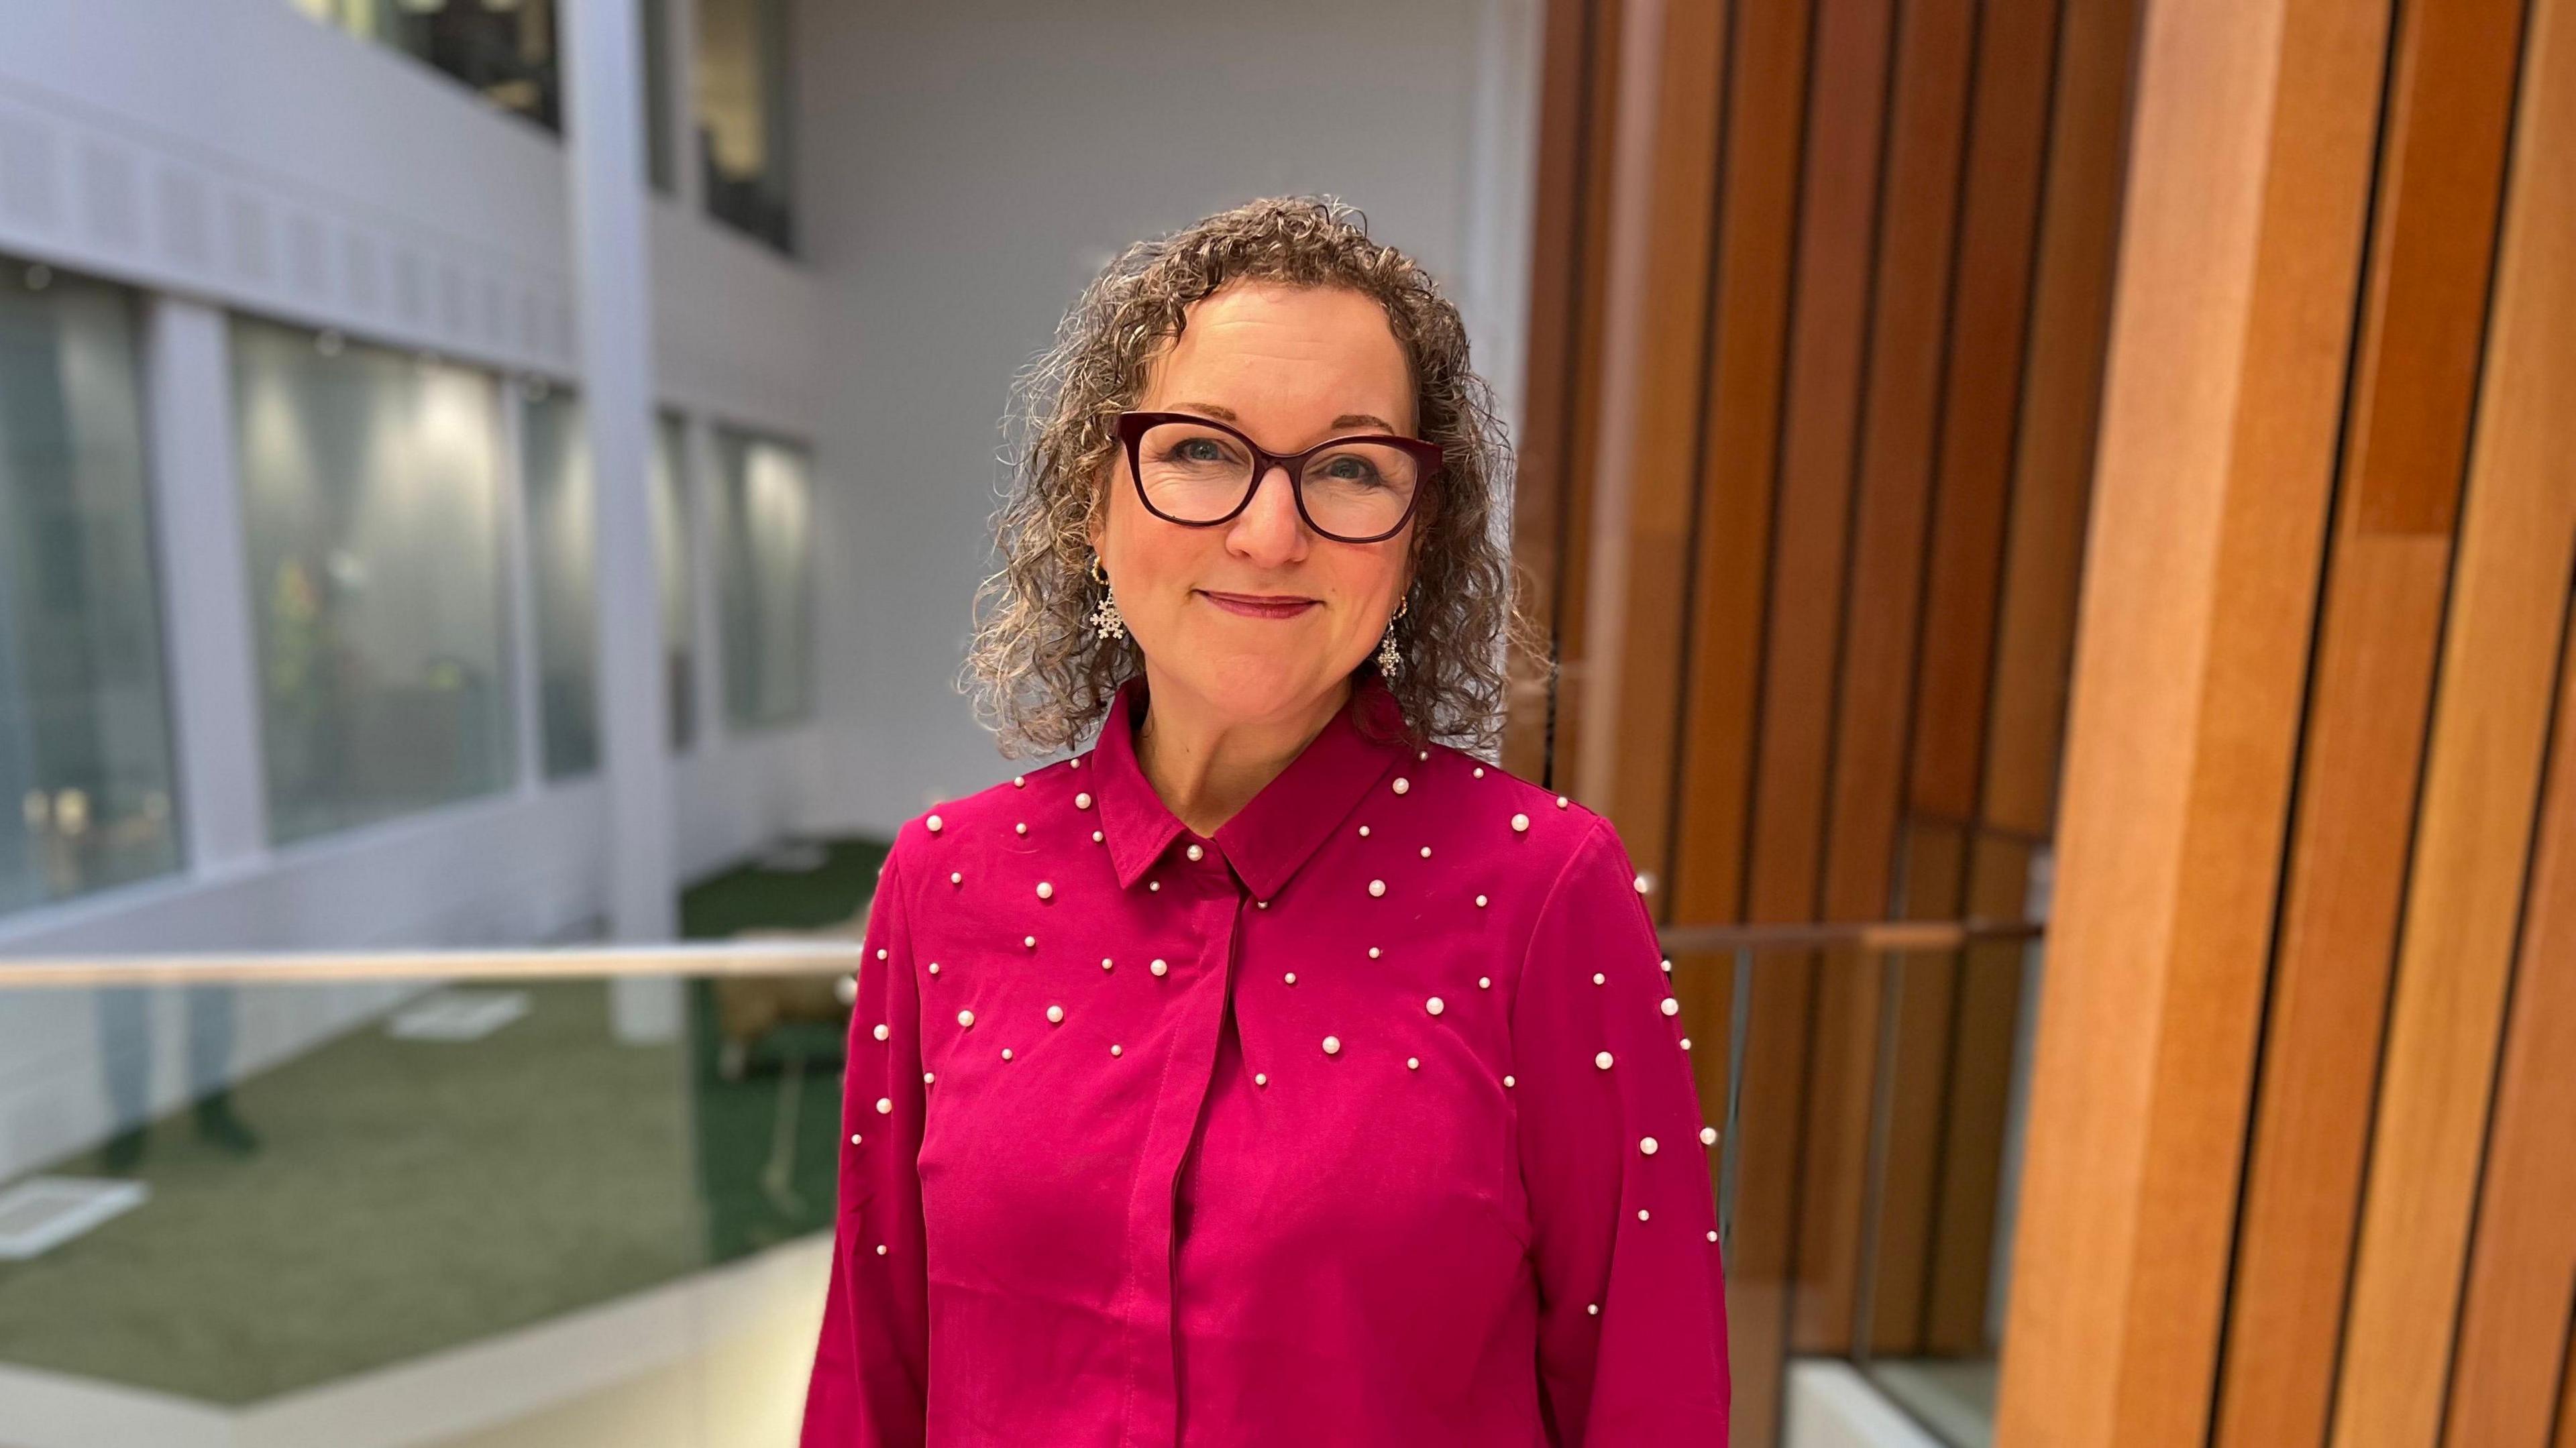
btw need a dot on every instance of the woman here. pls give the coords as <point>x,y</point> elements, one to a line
<point>1265,1072</point>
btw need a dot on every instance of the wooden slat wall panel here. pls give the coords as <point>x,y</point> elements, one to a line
<point>1740,412</point>
<point>1558,278</point>
<point>1556,729</point>
<point>1791,767</point>
<point>2052,475</point>
<point>2522,1267</point>
<point>2197,608</point>
<point>1854,764</point>
<point>1654,347</point>
<point>2517,552</point>
<point>2371,682</point>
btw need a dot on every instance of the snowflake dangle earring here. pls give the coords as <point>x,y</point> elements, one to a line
<point>1388,660</point>
<point>1105,619</point>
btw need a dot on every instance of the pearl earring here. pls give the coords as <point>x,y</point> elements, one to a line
<point>1388,660</point>
<point>1106,621</point>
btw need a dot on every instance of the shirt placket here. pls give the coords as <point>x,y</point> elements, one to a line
<point>1213,915</point>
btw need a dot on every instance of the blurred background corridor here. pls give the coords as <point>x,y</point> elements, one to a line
<point>2062,503</point>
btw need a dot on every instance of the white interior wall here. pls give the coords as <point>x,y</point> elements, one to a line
<point>969,166</point>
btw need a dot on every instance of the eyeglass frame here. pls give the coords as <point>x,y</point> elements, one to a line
<point>1132,427</point>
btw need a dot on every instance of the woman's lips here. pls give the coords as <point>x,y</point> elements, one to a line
<point>1254,607</point>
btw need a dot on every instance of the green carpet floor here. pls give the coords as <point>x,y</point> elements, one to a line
<point>408,1196</point>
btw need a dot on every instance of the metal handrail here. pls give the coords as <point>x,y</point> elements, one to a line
<point>801,955</point>
<point>1873,935</point>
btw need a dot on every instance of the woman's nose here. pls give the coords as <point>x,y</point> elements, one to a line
<point>1269,527</point>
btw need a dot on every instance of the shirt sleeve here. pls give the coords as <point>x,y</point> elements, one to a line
<point>871,1365</point>
<point>1632,1295</point>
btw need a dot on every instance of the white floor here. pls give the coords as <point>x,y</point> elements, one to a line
<point>1830,1405</point>
<point>714,1361</point>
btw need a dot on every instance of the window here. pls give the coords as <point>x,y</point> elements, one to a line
<point>563,577</point>
<point>743,112</point>
<point>85,767</point>
<point>372,504</point>
<point>671,560</point>
<point>765,522</point>
<point>504,49</point>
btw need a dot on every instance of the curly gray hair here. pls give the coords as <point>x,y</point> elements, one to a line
<point>1042,680</point>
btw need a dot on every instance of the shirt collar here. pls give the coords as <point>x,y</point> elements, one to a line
<point>1283,824</point>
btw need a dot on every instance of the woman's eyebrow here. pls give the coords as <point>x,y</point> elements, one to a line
<point>1347,419</point>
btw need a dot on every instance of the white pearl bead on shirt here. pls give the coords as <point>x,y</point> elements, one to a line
<point>1402,784</point>
<point>965,1019</point>
<point>1377,887</point>
<point>1332,1045</point>
<point>1602,1060</point>
<point>1046,891</point>
<point>1055,1015</point>
<point>1708,1136</point>
<point>881,1032</point>
<point>1197,853</point>
<point>1520,824</point>
<point>1598,978</point>
<point>1019,781</point>
<point>1413,1063</point>
<point>1434,1005</point>
<point>884,1104</point>
<point>1158,967</point>
<point>934,823</point>
<point>1082,801</point>
<point>1647,1145</point>
<point>1671,1007</point>
<point>1022,827</point>
<point>1484,982</point>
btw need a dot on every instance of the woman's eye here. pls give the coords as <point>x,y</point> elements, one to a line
<point>1350,470</point>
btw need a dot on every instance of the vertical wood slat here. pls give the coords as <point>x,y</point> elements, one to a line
<point>2514,1336</point>
<point>2517,553</point>
<point>2194,631</point>
<point>2430,268</point>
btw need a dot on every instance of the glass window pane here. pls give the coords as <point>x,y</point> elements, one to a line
<point>767,503</point>
<point>371,497</point>
<point>562,548</point>
<point>85,770</point>
<point>743,116</point>
<point>671,562</point>
<point>506,51</point>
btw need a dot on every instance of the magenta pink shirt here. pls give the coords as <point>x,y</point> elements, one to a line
<point>1367,1120</point>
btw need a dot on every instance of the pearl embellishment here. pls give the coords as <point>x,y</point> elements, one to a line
<point>956,879</point>
<point>1672,1007</point>
<point>1413,1063</point>
<point>1520,824</point>
<point>1598,978</point>
<point>1373,952</point>
<point>1260,1078</point>
<point>1332,1045</point>
<point>1426,852</point>
<point>1082,801</point>
<point>1507,1082</point>
<point>1046,891</point>
<point>1158,967</point>
<point>1197,854</point>
<point>1641,884</point>
<point>1104,962</point>
<point>934,823</point>
<point>1647,1146</point>
<point>934,967</point>
<point>1402,784</point>
<point>965,1018</point>
<point>1560,801</point>
<point>1292,977</point>
<point>885,1104</point>
<point>1480,902</point>
<point>1602,1060</point>
<point>1118,1050</point>
<point>881,1249</point>
<point>1030,941</point>
<point>1006,1053</point>
<point>1593,1307</point>
<point>1055,1015</point>
<point>1434,1005</point>
<point>881,1031</point>
<point>1484,982</point>
<point>855,1138</point>
<point>1480,771</point>
<point>1377,887</point>
<point>1708,1136</point>
<point>1019,781</point>
<point>1022,827</point>
<point>1095,837</point>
